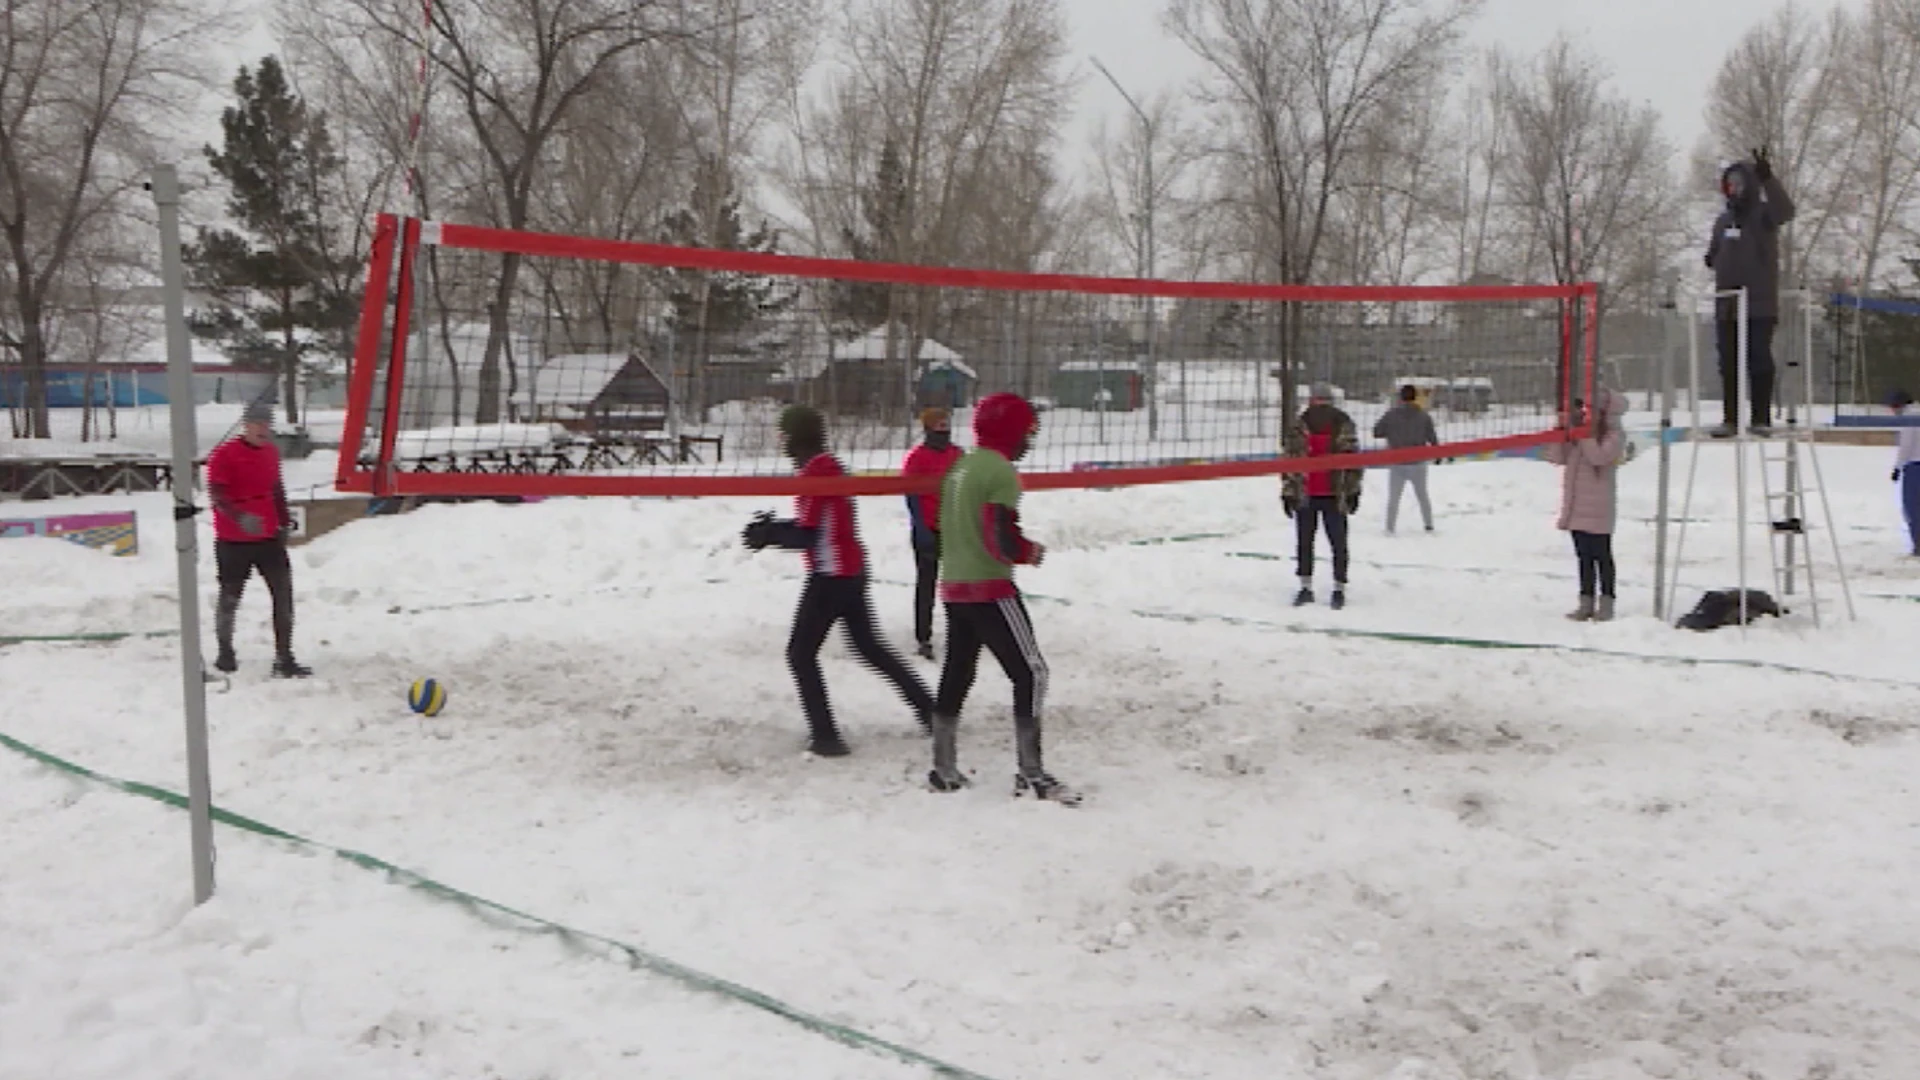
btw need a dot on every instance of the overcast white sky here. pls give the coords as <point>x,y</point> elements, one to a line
<point>1663,52</point>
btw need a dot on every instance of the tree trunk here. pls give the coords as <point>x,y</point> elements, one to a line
<point>290,364</point>
<point>33,365</point>
<point>486,410</point>
<point>86,404</point>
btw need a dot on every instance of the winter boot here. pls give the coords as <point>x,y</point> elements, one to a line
<point>1043,786</point>
<point>1033,779</point>
<point>925,651</point>
<point>1339,598</point>
<point>225,661</point>
<point>1603,610</point>
<point>1583,613</point>
<point>286,667</point>
<point>946,774</point>
<point>827,744</point>
<point>1303,597</point>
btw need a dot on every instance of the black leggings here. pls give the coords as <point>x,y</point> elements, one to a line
<point>828,600</point>
<point>236,561</point>
<point>1595,552</point>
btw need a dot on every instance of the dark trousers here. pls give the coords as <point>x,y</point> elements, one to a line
<point>926,577</point>
<point>1595,552</point>
<point>826,601</point>
<point>1003,629</point>
<point>1307,520</point>
<point>1910,501</point>
<point>236,560</point>
<point>1759,369</point>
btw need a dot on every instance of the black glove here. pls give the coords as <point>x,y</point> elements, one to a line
<point>1896,476</point>
<point>1762,167</point>
<point>1353,503</point>
<point>1708,259</point>
<point>759,532</point>
<point>1290,504</point>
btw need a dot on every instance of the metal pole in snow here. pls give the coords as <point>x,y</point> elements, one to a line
<point>193,688</point>
<point>1661,602</point>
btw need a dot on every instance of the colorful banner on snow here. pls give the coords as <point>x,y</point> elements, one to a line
<point>115,533</point>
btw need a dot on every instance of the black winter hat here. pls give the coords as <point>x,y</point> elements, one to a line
<point>803,424</point>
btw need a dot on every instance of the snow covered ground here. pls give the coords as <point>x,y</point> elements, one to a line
<point>1303,855</point>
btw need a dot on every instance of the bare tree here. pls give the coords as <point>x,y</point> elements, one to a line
<point>1294,88</point>
<point>1588,172</point>
<point>1121,172</point>
<point>1879,64</point>
<point>84,85</point>
<point>930,141</point>
<point>516,71</point>
<point>1783,87</point>
<point>1387,221</point>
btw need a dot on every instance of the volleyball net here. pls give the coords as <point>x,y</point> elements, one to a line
<point>500,363</point>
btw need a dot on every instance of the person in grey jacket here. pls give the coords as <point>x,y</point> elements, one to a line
<point>1404,425</point>
<point>1744,253</point>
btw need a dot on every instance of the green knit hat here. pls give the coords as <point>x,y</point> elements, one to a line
<point>803,424</point>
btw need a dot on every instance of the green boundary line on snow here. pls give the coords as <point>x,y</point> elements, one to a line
<point>1460,642</point>
<point>635,956</point>
<point>88,636</point>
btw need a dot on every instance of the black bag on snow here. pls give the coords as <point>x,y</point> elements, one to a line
<point>1721,607</point>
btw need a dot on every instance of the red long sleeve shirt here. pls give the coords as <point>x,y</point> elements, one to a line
<point>245,479</point>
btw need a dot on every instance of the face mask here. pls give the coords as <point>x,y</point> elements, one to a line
<point>939,440</point>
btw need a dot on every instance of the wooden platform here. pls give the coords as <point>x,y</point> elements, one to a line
<point>51,477</point>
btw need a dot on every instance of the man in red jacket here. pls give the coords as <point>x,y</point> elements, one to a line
<point>933,457</point>
<point>251,521</point>
<point>1321,495</point>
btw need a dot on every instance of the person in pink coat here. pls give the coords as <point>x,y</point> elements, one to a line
<point>1587,501</point>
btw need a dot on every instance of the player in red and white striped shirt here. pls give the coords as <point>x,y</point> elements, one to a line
<point>825,530</point>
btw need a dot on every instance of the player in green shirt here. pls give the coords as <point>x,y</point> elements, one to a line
<point>980,544</point>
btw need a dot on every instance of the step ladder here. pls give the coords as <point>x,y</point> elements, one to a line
<point>1787,503</point>
<point>1789,506</point>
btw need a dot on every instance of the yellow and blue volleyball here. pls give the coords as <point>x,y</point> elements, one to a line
<point>427,697</point>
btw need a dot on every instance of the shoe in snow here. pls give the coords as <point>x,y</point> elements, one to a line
<point>225,662</point>
<point>288,668</point>
<point>939,780</point>
<point>828,746</point>
<point>1603,609</point>
<point>925,651</point>
<point>1339,599</point>
<point>1724,431</point>
<point>1583,613</point>
<point>1043,786</point>
<point>1303,598</point>
<point>1760,431</point>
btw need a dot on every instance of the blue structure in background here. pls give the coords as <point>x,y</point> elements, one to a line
<point>67,389</point>
<point>1879,306</point>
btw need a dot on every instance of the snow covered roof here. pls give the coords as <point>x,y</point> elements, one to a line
<point>574,379</point>
<point>811,361</point>
<point>1099,365</point>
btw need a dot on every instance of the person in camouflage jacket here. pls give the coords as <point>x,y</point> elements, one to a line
<point>1323,495</point>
